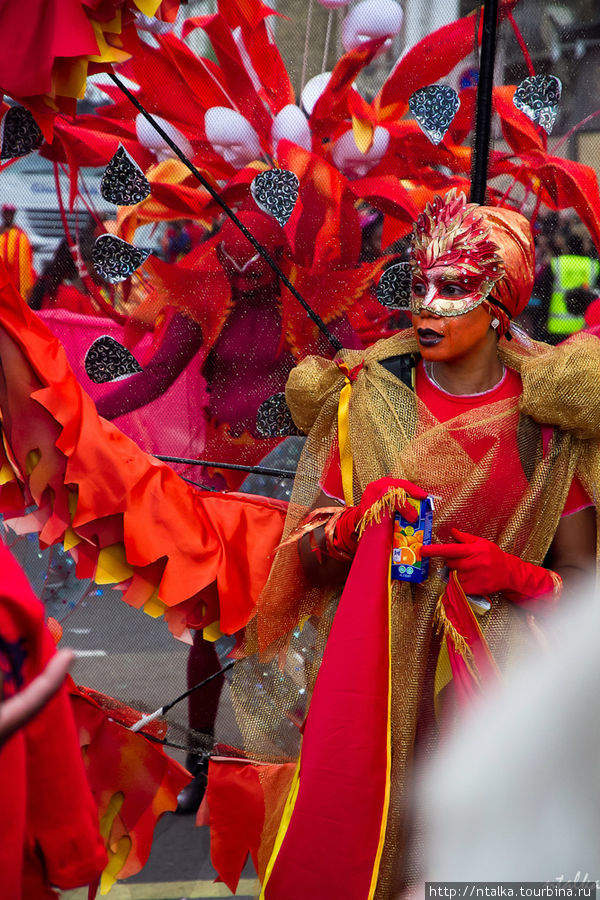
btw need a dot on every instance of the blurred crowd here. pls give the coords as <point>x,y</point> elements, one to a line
<point>566,288</point>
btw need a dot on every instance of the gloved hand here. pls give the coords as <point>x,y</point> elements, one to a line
<point>342,538</point>
<point>483,568</point>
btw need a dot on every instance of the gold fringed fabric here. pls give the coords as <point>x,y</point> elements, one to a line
<point>443,625</point>
<point>386,504</point>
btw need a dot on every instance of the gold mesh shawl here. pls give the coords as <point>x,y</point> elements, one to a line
<point>393,433</point>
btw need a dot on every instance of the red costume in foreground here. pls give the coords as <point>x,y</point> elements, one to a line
<point>49,828</point>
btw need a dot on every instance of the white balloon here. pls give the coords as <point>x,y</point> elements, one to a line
<point>232,136</point>
<point>351,161</point>
<point>333,4</point>
<point>152,140</point>
<point>291,123</point>
<point>371,19</point>
<point>313,90</point>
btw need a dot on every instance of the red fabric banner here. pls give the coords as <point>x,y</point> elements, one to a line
<point>331,847</point>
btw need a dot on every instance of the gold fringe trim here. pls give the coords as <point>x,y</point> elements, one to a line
<point>388,503</point>
<point>315,519</point>
<point>442,623</point>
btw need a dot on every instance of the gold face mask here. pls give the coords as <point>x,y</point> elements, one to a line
<point>448,290</point>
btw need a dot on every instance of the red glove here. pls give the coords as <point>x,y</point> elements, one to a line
<point>343,539</point>
<point>483,568</point>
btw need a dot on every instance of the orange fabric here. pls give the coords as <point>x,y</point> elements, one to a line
<point>173,537</point>
<point>15,253</point>
<point>243,806</point>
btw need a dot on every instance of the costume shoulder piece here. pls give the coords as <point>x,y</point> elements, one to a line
<point>560,386</point>
<point>315,379</point>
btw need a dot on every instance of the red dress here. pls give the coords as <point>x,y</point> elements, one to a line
<point>445,406</point>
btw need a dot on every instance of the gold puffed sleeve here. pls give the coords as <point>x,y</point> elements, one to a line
<point>312,382</point>
<point>562,386</point>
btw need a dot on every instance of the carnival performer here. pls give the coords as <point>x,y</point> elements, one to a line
<point>241,372</point>
<point>15,251</point>
<point>504,435</point>
<point>48,818</point>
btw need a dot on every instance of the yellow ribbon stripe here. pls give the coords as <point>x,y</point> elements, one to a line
<point>388,768</point>
<point>283,826</point>
<point>344,441</point>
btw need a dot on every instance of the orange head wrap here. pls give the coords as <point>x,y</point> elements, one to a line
<point>511,232</point>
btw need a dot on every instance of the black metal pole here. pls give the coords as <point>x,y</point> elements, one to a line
<point>483,120</point>
<point>236,467</point>
<point>335,343</point>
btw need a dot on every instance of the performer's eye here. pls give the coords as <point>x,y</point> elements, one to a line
<point>454,291</point>
<point>419,289</point>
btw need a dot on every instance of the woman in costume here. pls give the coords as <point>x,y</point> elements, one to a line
<point>503,434</point>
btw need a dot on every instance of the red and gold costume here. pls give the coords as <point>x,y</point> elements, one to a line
<point>504,468</point>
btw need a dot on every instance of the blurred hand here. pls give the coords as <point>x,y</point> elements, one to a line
<point>20,709</point>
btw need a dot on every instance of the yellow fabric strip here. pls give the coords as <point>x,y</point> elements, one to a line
<point>283,826</point>
<point>443,676</point>
<point>6,474</point>
<point>148,7</point>
<point>363,134</point>
<point>11,259</point>
<point>212,632</point>
<point>25,261</point>
<point>154,607</point>
<point>112,567</point>
<point>344,441</point>
<point>388,768</point>
<point>71,539</point>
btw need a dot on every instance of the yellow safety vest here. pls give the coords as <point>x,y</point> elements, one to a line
<point>569,272</point>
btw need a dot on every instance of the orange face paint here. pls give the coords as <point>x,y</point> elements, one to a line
<point>446,338</point>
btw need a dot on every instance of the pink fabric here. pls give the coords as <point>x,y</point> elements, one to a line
<point>173,424</point>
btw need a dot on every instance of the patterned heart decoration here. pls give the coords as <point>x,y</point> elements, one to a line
<point>395,285</point>
<point>108,360</point>
<point>20,133</point>
<point>538,97</point>
<point>434,107</point>
<point>114,259</point>
<point>275,192</point>
<point>274,418</point>
<point>123,182</point>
